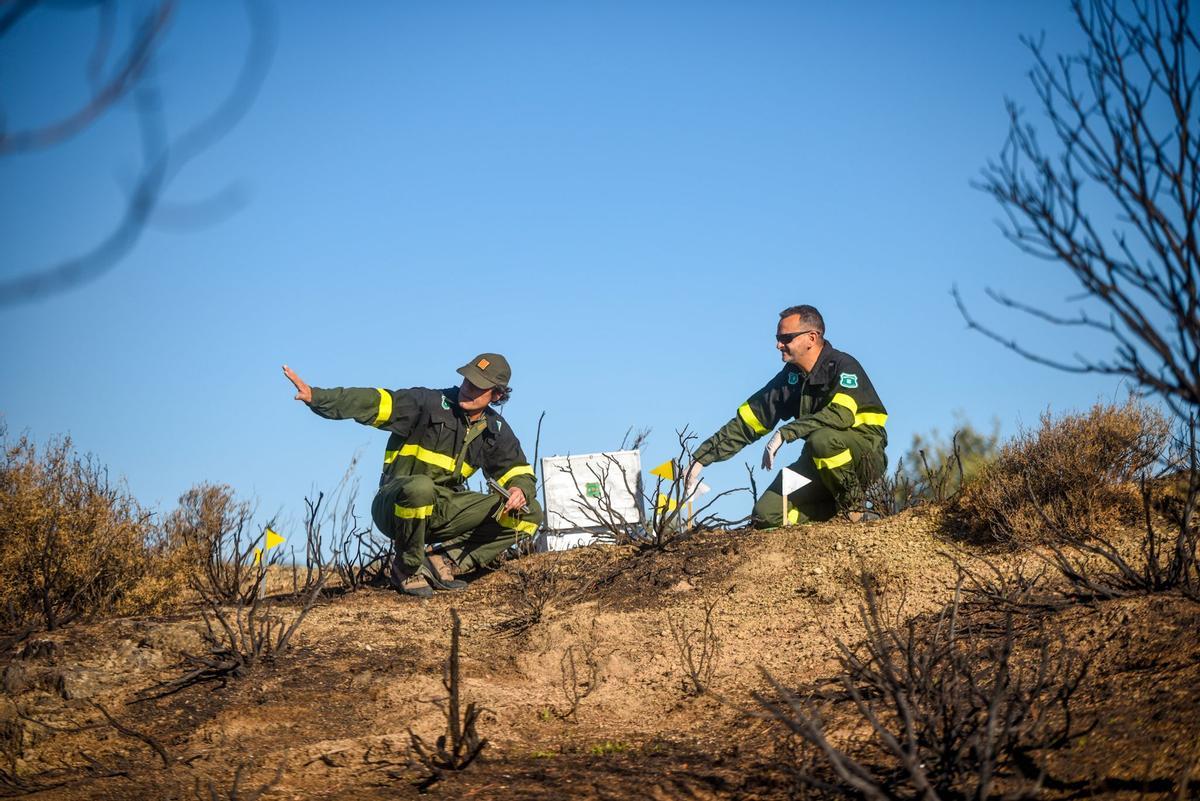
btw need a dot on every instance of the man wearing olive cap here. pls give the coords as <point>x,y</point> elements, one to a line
<point>438,439</point>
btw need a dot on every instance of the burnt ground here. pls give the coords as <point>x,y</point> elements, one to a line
<point>332,717</point>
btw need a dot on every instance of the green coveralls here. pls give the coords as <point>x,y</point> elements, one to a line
<point>431,452</point>
<point>841,420</point>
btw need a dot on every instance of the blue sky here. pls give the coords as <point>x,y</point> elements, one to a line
<point>618,196</point>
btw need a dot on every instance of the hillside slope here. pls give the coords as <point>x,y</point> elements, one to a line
<point>335,713</point>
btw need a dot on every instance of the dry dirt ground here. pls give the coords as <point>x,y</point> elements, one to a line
<point>332,718</point>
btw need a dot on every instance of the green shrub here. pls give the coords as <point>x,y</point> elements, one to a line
<point>1072,478</point>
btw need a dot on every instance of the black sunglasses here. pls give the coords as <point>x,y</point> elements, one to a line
<point>784,339</point>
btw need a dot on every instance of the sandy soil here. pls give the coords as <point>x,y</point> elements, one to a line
<point>335,713</point>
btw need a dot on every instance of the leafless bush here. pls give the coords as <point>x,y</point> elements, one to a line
<point>674,517</point>
<point>697,647</point>
<point>1107,191</point>
<point>533,584</point>
<point>249,632</point>
<point>461,744</point>
<point>1167,560</point>
<point>83,768</point>
<point>208,790</point>
<point>949,713</point>
<point>355,550</point>
<point>213,528</point>
<point>894,493</point>
<point>639,439</point>
<point>73,543</point>
<point>359,557</point>
<point>990,589</point>
<point>1078,472</point>
<point>932,470</point>
<point>580,671</point>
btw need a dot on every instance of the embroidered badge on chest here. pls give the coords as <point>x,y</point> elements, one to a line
<point>849,380</point>
<point>793,378</point>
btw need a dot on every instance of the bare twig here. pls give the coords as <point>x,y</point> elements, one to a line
<point>461,744</point>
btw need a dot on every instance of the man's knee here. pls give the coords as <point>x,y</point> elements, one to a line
<point>403,498</point>
<point>416,490</point>
<point>768,511</point>
<point>825,442</point>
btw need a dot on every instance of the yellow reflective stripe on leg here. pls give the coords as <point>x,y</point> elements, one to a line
<point>519,470</point>
<point>521,526</point>
<point>870,419</point>
<point>842,399</point>
<point>837,460</point>
<point>749,419</point>
<point>385,407</point>
<point>413,512</point>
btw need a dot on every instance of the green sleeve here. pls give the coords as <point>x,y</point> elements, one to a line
<point>726,443</point>
<point>834,415</point>
<point>390,409</point>
<point>756,417</point>
<point>510,468</point>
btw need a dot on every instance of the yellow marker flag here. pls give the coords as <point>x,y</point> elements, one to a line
<point>663,501</point>
<point>273,539</point>
<point>257,556</point>
<point>665,470</point>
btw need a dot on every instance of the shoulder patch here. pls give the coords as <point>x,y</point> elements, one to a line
<point>499,425</point>
<point>445,403</point>
<point>793,378</point>
<point>849,380</point>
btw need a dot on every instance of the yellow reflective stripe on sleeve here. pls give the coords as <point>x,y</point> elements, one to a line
<point>519,470</point>
<point>390,456</point>
<point>842,399</point>
<point>837,460</point>
<point>413,512</point>
<point>385,407</point>
<point>467,470</point>
<point>521,526</point>
<point>749,419</point>
<point>870,419</point>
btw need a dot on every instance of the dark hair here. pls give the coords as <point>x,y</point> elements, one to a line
<point>809,316</point>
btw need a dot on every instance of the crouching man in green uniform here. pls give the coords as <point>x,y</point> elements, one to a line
<point>438,439</point>
<point>834,409</point>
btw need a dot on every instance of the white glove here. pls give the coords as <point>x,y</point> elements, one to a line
<point>691,478</point>
<point>773,445</point>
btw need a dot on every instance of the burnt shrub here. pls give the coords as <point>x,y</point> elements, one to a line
<point>1075,476</point>
<point>73,543</point>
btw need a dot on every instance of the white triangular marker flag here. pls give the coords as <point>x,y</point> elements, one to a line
<point>792,481</point>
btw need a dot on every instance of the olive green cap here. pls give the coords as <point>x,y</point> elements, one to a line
<point>487,370</point>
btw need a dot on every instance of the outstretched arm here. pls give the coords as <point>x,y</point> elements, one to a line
<point>303,390</point>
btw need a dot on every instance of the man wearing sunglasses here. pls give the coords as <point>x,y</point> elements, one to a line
<point>833,407</point>
<point>437,439</point>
